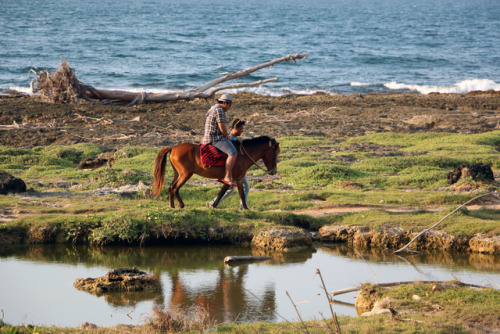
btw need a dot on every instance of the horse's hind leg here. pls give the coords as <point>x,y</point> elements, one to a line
<point>173,185</point>
<point>180,182</point>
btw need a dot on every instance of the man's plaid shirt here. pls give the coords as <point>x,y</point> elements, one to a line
<point>212,132</point>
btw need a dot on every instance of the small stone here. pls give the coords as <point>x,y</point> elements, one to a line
<point>88,325</point>
<point>416,297</point>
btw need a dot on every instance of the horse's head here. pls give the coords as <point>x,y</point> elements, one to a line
<point>264,148</point>
<point>270,157</point>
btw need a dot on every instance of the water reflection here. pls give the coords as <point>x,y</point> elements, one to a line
<point>196,276</point>
<point>448,259</point>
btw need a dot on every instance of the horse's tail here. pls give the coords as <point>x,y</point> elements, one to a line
<point>159,170</point>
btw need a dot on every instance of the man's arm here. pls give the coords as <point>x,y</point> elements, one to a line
<point>223,128</point>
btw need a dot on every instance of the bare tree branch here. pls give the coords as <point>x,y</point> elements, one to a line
<point>63,86</point>
<point>439,222</point>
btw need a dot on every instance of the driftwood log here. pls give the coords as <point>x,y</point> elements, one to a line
<point>62,86</point>
<point>229,259</point>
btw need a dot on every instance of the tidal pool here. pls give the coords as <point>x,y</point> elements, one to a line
<point>36,282</point>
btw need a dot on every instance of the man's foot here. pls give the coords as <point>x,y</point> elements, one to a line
<point>229,183</point>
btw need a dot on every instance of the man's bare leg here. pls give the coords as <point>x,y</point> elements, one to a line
<point>229,168</point>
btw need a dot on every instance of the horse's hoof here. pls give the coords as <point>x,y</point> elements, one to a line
<point>209,205</point>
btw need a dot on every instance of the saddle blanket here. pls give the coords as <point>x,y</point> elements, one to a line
<point>212,156</point>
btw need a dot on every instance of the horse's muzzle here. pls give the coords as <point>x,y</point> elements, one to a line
<point>272,171</point>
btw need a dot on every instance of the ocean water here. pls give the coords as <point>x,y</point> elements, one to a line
<point>354,46</point>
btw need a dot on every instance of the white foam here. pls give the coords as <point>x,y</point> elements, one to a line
<point>359,84</point>
<point>23,90</point>
<point>461,87</point>
<point>277,91</point>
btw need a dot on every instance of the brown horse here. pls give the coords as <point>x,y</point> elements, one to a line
<point>186,161</point>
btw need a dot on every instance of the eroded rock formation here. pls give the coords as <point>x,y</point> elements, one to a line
<point>476,172</point>
<point>394,238</point>
<point>282,239</point>
<point>119,280</point>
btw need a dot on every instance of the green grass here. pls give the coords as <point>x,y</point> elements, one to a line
<point>384,169</point>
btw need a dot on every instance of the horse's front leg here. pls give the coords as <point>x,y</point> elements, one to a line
<point>241,191</point>
<point>222,191</point>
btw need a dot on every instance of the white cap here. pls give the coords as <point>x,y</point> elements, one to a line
<point>225,98</point>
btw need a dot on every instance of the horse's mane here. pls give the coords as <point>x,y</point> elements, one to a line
<point>255,141</point>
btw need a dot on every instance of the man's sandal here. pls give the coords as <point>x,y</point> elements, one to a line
<point>225,182</point>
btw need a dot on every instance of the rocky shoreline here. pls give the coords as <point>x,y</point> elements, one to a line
<point>27,121</point>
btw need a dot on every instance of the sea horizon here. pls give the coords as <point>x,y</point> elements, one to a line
<point>162,46</point>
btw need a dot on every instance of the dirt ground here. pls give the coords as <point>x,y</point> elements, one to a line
<point>28,122</point>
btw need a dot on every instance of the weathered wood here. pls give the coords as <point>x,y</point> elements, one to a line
<point>229,259</point>
<point>385,285</point>
<point>63,86</point>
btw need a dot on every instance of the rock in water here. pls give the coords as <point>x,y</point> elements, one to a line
<point>119,280</point>
<point>282,239</point>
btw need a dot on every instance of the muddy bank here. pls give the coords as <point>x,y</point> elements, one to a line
<point>28,122</point>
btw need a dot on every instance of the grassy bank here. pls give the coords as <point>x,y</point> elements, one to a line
<point>419,307</point>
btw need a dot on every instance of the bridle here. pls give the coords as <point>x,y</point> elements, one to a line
<point>242,149</point>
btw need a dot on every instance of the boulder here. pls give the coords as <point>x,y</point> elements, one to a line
<point>476,172</point>
<point>485,244</point>
<point>119,280</point>
<point>366,298</point>
<point>439,240</point>
<point>283,239</point>
<point>379,307</point>
<point>340,233</point>
<point>389,237</point>
<point>106,159</point>
<point>11,184</point>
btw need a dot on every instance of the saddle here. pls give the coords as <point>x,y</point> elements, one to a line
<point>212,156</point>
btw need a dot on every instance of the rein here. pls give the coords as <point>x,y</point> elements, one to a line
<point>242,149</point>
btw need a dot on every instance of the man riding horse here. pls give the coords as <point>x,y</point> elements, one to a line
<point>186,158</point>
<point>216,133</point>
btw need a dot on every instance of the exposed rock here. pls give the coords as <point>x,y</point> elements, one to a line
<point>88,325</point>
<point>379,307</point>
<point>423,121</point>
<point>11,184</point>
<point>340,233</point>
<point>128,190</point>
<point>366,299</point>
<point>282,239</point>
<point>476,172</point>
<point>101,160</point>
<point>394,238</point>
<point>389,237</point>
<point>439,240</point>
<point>485,244</point>
<point>122,279</point>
